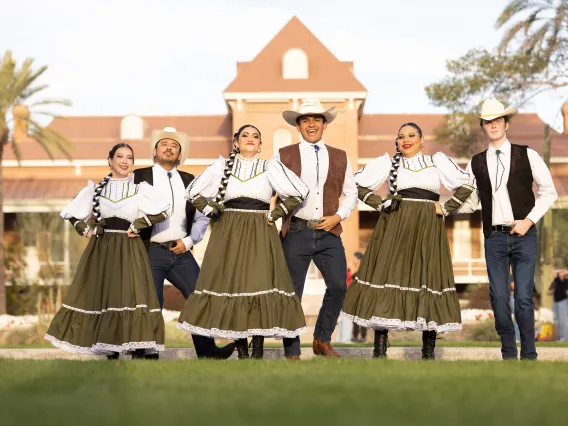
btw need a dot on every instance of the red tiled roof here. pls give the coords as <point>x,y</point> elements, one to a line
<point>526,129</point>
<point>42,189</point>
<point>325,72</point>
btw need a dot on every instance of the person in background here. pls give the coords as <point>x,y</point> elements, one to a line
<point>559,289</point>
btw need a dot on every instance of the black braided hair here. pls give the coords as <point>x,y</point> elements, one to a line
<point>230,162</point>
<point>101,185</point>
<point>393,176</point>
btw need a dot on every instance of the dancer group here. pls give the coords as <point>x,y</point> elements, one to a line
<point>142,226</point>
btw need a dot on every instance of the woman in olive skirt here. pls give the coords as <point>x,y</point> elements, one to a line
<point>112,305</point>
<point>405,281</point>
<point>244,288</point>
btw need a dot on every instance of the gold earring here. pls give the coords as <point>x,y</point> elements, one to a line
<point>259,150</point>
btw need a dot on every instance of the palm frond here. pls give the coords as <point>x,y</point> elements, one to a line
<point>50,139</point>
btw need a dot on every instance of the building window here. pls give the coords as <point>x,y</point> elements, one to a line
<point>132,128</point>
<point>295,65</point>
<point>281,138</point>
<point>462,239</point>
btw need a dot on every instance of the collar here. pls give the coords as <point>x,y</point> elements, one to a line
<point>304,144</point>
<point>160,170</point>
<point>505,149</point>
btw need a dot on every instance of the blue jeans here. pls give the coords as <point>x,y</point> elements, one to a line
<point>300,246</point>
<point>561,320</point>
<point>501,251</point>
<point>182,271</point>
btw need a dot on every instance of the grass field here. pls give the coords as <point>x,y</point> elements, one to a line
<point>319,392</point>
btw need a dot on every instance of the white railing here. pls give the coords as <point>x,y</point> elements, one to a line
<point>470,271</point>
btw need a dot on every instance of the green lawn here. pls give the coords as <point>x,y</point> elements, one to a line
<point>319,392</point>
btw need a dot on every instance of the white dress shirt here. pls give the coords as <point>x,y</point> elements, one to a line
<point>312,208</point>
<point>175,227</point>
<point>499,175</point>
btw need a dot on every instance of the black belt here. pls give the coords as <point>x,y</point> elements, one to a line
<point>501,228</point>
<point>167,245</point>
<point>311,224</point>
<point>419,194</point>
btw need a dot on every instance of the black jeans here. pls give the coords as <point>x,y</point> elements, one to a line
<point>301,246</point>
<point>182,271</point>
<point>501,251</point>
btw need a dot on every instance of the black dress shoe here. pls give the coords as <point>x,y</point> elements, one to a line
<point>112,356</point>
<point>225,352</point>
<point>139,354</point>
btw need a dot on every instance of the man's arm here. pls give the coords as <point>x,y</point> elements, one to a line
<point>198,229</point>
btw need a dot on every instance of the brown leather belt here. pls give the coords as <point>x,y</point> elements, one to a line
<point>311,224</point>
<point>167,245</point>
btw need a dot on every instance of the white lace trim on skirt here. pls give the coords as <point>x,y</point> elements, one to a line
<point>256,293</point>
<point>104,348</point>
<point>399,325</point>
<point>72,308</point>
<point>275,332</point>
<point>439,293</point>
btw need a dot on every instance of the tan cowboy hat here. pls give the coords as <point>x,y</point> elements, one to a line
<point>309,107</point>
<point>171,133</point>
<point>492,109</point>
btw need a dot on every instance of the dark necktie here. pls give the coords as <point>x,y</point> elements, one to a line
<point>497,182</point>
<point>172,189</point>
<point>316,149</point>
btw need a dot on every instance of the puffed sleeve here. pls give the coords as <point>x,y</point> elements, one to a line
<point>81,206</point>
<point>370,177</point>
<point>290,188</point>
<point>207,183</point>
<point>454,178</point>
<point>153,207</point>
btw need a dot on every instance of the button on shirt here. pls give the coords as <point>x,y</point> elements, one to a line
<point>499,166</point>
<point>315,166</point>
<point>175,228</point>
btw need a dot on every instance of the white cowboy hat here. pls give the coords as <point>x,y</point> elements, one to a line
<point>170,133</point>
<point>492,109</point>
<point>309,107</point>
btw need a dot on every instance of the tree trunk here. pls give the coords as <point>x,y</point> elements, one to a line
<point>3,141</point>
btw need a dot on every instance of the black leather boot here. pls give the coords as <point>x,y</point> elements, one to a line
<point>428,345</point>
<point>257,347</point>
<point>139,354</point>
<point>381,343</point>
<point>242,348</point>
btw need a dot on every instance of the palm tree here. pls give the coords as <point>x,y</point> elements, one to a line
<point>543,28</point>
<point>17,88</point>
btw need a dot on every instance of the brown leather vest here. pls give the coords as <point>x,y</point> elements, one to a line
<point>333,188</point>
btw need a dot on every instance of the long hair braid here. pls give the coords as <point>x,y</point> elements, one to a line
<point>98,190</point>
<point>229,164</point>
<point>101,185</point>
<point>397,159</point>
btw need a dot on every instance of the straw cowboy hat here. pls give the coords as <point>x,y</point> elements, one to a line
<point>170,133</point>
<point>492,109</point>
<point>309,107</point>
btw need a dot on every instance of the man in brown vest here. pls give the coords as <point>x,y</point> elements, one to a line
<point>504,175</point>
<point>311,232</point>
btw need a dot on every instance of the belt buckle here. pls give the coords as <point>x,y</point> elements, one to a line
<point>313,223</point>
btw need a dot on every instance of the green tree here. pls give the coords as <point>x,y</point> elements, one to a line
<point>18,109</point>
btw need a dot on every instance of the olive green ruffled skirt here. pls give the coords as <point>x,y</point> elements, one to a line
<point>244,287</point>
<point>405,281</point>
<point>112,304</point>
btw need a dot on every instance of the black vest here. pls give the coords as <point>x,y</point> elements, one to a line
<point>146,175</point>
<point>519,185</point>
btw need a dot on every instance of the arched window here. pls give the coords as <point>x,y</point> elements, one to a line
<point>295,64</point>
<point>132,128</point>
<point>281,138</point>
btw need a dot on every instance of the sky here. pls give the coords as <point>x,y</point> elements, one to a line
<point>175,57</point>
